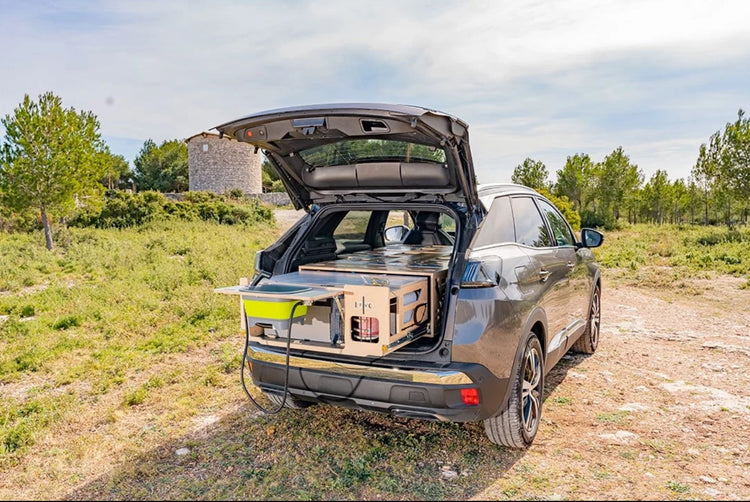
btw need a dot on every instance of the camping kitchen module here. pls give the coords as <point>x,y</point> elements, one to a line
<point>369,304</point>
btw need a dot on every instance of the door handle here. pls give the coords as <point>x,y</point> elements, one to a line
<point>544,274</point>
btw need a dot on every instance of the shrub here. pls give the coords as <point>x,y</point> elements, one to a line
<point>592,219</point>
<point>66,322</point>
<point>24,221</point>
<point>200,196</point>
<point>277,186</point>
<point>123,209</point>
<point>235,193</point>
<point>27,311</point>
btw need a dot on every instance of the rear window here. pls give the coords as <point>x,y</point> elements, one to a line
<point>358,151</point>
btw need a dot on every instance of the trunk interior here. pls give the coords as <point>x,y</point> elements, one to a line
<point>342,289</point>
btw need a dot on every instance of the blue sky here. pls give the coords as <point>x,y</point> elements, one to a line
<point>538,79</point>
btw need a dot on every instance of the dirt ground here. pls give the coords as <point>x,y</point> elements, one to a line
<point>662,410</point>
<point>285,218</point>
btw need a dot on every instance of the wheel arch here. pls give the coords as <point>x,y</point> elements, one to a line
<point>536,323</point>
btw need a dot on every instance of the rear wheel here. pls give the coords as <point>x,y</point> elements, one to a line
<point>290,402</point>
<point>589,340</point>
<point>516,427</point>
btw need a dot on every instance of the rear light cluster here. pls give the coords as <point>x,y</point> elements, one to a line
<point>478,275</point>
<point>470,396</point>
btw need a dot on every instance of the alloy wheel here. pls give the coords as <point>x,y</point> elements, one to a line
<point>531,391</point>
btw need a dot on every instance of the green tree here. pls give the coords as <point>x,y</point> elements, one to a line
<point>49,158</point>
<point>736,159</point>
<point>618,182</point>
<point>162,168</point>
<point>680,199</point>
<point>706,171</point>
<point>656,195</point>
<point>117,172</point>
<point>574,180</point>
<point>531,173</point>
<point>694,199</point>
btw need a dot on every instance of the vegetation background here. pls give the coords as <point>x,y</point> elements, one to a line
<point>119,365</point>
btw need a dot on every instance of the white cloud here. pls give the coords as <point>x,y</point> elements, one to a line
<point>538,79</point>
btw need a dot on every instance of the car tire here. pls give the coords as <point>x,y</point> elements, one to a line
<point>517,425</point>
<point>589,340</point>
<point>291,402</point>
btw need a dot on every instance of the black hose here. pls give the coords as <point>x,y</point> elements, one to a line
<point>244,361</point>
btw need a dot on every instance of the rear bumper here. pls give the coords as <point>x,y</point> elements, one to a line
<point>413,391</point>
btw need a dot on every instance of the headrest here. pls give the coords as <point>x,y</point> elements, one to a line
<point>427,220</point>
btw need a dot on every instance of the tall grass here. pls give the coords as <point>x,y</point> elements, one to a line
<point>681,251</point>
<point>106,304</point>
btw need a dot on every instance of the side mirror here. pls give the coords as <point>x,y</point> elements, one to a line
<point>591,238</point>
<point>396,233</point>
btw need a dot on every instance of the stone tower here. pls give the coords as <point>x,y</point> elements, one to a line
<point>218,165</point>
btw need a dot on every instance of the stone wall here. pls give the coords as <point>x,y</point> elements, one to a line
<point>274,198</point>
<point>218,165</point>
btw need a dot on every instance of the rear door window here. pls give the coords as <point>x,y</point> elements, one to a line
<point>351,231</point>
<point>448,224</point>
<point>530,227</point>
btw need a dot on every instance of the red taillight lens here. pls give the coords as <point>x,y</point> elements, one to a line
<point>470,397</point>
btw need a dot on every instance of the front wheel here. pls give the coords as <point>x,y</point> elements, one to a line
<point>517,425</point>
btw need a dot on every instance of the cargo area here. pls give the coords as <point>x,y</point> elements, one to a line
<point>363,303</point>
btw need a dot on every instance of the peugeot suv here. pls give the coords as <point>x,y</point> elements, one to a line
<point>407,288</point>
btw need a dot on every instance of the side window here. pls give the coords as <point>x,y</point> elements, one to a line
<point>560,228</point>
<point>397,225</point>
<point>530,227</point>
<point>448,224</point>
<point>350,233</point>
<point>399,217</point>
<point>498,224</point>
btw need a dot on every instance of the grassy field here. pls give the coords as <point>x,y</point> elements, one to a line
<point>95,316</point>
<point>668,255</point>
<point>115,353</point>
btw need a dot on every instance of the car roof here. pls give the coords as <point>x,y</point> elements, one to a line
<point>489,191</point>
<point>504,188</point>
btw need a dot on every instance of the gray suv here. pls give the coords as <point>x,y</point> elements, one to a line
<point>408,289</point>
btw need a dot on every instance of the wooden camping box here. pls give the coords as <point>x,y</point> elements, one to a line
<point>422,261</point>
<point>386,298</point>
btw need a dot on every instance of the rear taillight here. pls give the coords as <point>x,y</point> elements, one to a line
<point>476,275</point>
<point>470,396</point>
